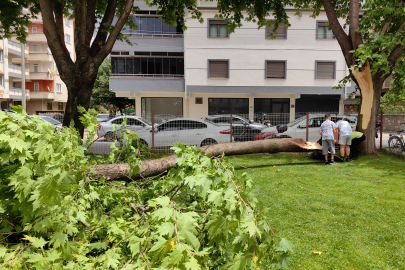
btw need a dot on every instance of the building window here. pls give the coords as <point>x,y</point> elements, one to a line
<point>238,106</point>
<point>163,66</point>
<point>34,29</point>
<point>275,110</point>
<point>35,67</point>
<point>49,106</point>
<point>218,68</point>
<point>1,80</point>
<point>387,82</point>
<point>36,86</point>
<point>67,21</point>
<point>323,31</point>
<point>325,70</point>
<point>217,28</point>
<point>152,26</point>
<point>58,88</point>
<point>60,106</point>
<point>34,48</point>
<point>1,55</point>
<point>276,69</point>
<point>67,38</point>
<point>17,84</point>
<point>281,32</point>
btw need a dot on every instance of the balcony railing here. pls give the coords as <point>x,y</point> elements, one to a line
<point>15,44</point>
<point>149,35</point>
<point>15,90</point>
<point>207,3</point>
<point>162,76</point>
<point>17,67</point>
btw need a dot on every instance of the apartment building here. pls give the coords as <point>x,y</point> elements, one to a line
<point>206,70</point>
<point>45,90</point>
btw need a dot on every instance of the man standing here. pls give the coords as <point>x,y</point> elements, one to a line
<point>357,139</point>
<point>345,138</point>
<point>328,131</point>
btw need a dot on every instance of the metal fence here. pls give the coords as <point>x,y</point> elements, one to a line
<point>158,132</point>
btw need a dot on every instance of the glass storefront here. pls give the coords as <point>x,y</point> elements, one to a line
<point>238,106</point>
<point>272,105</point>
<point>167,107</point>
<point>147,66</point>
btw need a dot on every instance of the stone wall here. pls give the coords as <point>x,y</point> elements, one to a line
<point>392,122</point>
<point>350,109</point>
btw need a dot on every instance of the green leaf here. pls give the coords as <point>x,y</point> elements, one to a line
<point>58,239</point>
<point>285,245</point>
<point>174,257</point>
<point>192,264</point>
<point>53,255</point>
<point>36,242</point>
<point>166,228</point>
<point>216,197</point>
<point>187,234</point>
<point>248,223</point>
<point>163,201</point>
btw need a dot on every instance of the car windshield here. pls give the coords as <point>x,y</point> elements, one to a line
<point>50,120</point>
<point>296,121</point>
<point>103,116</point>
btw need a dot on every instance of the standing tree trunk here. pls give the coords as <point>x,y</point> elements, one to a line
<point>79,95</point>
<point>370,87</point>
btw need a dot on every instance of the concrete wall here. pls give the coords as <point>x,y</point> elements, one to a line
<point>132,85</point>
<point>392,122</point>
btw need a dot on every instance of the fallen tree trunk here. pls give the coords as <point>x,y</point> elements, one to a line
<point>155,167</point>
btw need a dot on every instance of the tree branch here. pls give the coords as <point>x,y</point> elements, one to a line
<point>342,38</point>
<point>397,52</point>
<point>102,33</point>
<point>55,42</point>
<point>354,23</point>
<point>91,21</point>
<point>174,193</point>
<point>58,11</point>
<point>106,49</point>
<point>385,27</point>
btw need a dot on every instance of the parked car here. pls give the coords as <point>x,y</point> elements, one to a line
<point>298,128</point>
<point>186,131</point>
<point>134,123</point>
<point>103,118</point>
<point>55,123</point>
<point>57,116</point>
<point>242,128</point>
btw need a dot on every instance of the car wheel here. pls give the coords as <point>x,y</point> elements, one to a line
<point>109,137</point>
<point>208,142</point>
<point>140,144</point>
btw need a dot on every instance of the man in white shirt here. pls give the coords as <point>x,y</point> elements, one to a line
<point>328,130</point>
<point>344,139</point>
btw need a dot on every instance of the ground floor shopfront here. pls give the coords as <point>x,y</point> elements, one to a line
<point>35,106</point>
<point>252,106</point>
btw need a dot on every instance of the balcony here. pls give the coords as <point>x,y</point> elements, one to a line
<point>149,35</point>
<point>15,71</point>
<point>41,76</point>
<point>16,93</point>
<point>41,56</point>
<point>146,83</point>
<point>42,95</point>
<point>37,37</point>
<point>15,48</point>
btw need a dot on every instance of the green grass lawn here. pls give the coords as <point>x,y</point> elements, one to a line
<point>354,213</point>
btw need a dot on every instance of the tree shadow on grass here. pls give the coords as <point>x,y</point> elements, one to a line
<point>241,167</point>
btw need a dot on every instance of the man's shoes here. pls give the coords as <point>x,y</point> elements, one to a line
<point>343,159</point>
<point>332,162</point>
<point>348,159</point>
<point>327,163</point>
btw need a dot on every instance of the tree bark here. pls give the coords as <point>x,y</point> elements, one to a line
<point>155,167</point>
<point>371,87</point>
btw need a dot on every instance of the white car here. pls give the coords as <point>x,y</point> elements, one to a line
<point>298,128</point>
<point>186,131</point>
<point>134,123</point>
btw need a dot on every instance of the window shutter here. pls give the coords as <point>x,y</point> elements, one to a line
<point>325,70</point>
<point>281,32</point>
<point>218,69</point>
<point>275,70</point>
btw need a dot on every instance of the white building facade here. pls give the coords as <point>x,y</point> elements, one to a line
<point>245,72</point>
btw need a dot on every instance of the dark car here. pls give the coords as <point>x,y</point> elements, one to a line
<point>242,128</point>
<point>57,116</point>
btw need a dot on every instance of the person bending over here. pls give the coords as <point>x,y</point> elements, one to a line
<point>328,131</point>
<point>345,138</point>
<point>357,139</point>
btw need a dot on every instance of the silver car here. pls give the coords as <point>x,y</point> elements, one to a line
<point>134,123</point>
